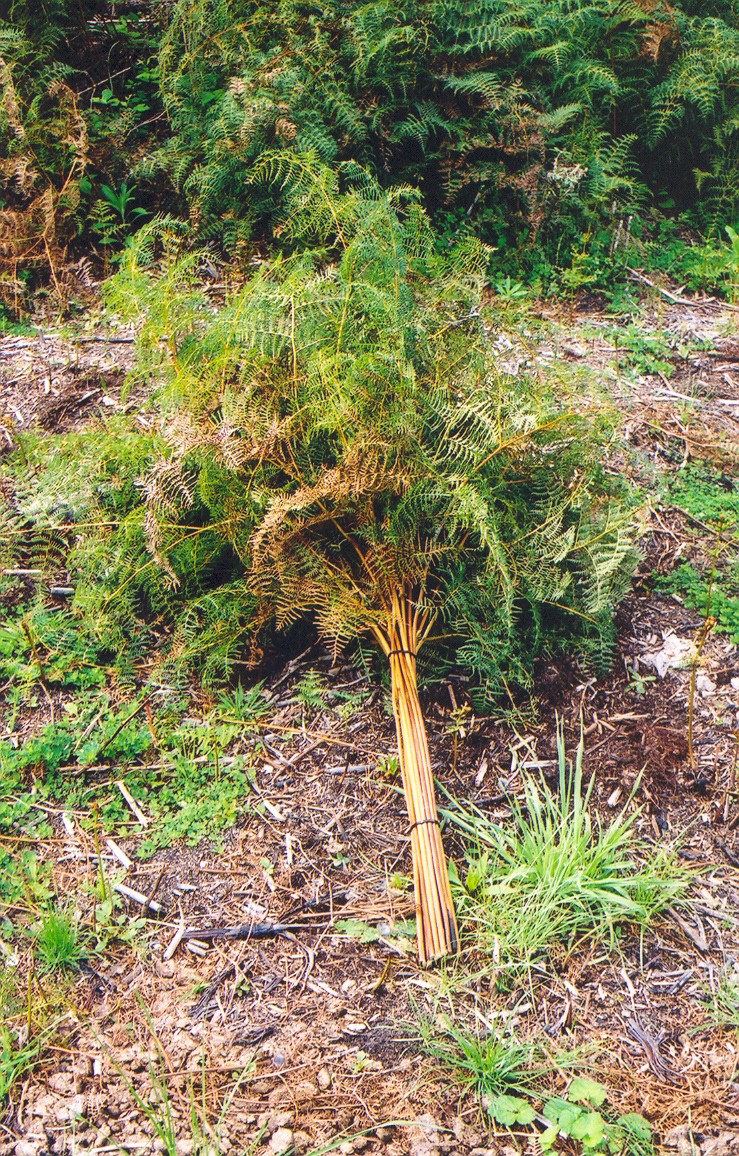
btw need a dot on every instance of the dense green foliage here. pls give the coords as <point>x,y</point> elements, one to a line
<point>350,434</point>
<point>530,118</point>
<point>569,135</point>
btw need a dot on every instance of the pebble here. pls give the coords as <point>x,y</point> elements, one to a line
<point>29,1147</point>
<point>305,1092</point>
<point>281,1141</point>
<point>679,1138</point>
<point>324,1079</point>
<point>274,1121</point>
<point>70,1110</point>
<point>61,1082</point>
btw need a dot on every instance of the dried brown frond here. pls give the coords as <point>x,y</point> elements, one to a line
<point>361,474</point>
<point>10,101</point>
<point>36,228</point>
<point>661,34</point>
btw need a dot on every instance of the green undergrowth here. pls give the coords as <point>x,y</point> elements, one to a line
<point>723,998</point>
<point>26,1031</point>
<point>513,1077</point>
<point>711,585</point>
<point>556,874</point>
<point>646,350</point>
<point>74,512</point>
<point>183,771</point>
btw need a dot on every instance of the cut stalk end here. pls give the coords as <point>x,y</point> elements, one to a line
<point>435,917</point>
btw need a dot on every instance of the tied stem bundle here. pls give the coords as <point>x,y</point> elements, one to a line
<point>407,628</point>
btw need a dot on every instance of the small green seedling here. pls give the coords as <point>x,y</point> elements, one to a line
<point>60,942</point>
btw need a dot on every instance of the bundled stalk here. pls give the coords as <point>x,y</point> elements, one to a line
<point>407,628</point>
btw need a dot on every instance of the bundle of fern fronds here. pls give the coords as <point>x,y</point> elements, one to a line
<point>370,466</point>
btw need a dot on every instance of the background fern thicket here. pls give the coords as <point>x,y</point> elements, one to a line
<point>563,133</point>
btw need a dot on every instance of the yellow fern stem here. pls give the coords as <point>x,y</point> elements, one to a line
<point>435,918</point>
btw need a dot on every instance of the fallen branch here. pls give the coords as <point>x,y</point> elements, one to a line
<point>699,303</point>
<point>252,930</point>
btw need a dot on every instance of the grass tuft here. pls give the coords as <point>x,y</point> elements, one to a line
<point>59,941</point>
<point>557,873</point>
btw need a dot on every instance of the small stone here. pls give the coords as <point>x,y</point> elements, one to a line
<point>82,1071</point>
<point>305,1092</point>
<point>70,1110</point>
<point>281,1141</point>
<point>423,1136</point>
<point>29,1147</point>
<point>467,1135</point>
<point>273,1121</point>
<point>723,1145</point>
<point>704,685</point>
<point>681,1139</point>
<point>346,1148</point>
<point>324,1079</point>
<point>384,1134</point>
<point>184,1147</point>
<point>61,1082</point>
<point>279,1095</point>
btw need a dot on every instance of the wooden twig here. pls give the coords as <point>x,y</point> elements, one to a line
<point>706,302</point>
<point>694,936</point>
<point>176,938</point>
<point>137,897</point>
<point>119,854</point>
<point>135,808</point>
<point>251,930</point>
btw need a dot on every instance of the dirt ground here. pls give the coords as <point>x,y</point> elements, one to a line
<point>318,1026</point>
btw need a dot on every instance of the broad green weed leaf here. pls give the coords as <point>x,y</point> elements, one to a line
<point>582,1090</point>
